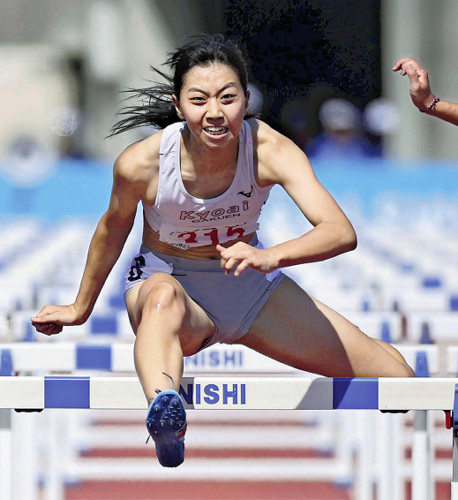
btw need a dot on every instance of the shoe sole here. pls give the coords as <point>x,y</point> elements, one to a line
<point>166,424</point>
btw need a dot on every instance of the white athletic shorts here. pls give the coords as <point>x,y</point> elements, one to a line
<point>232,303</point>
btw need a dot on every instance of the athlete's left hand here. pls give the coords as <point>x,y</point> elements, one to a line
<point>241,256</point>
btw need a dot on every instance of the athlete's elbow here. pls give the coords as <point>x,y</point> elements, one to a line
<point>349,239</point>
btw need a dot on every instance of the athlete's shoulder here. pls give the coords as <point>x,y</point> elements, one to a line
<point>266,139</point>
<point>140,159</point>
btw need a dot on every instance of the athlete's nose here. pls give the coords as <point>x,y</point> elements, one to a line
<point>214,110</point>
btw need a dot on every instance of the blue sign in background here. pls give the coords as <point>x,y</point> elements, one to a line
<point>82,188</point>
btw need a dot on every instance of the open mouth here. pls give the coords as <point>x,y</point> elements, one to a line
<point>215,130</point>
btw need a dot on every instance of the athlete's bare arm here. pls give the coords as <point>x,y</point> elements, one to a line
<point>133,179</point>
<point>280,161</point>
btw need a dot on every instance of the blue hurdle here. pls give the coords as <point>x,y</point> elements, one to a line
<point>32,357</point>
<point>37,357</point>
<point>197,392</point>
<point>235,393</point>
<point>302,393</point>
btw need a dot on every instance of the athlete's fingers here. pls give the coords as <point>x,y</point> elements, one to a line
<point>41,319</point>
<point>241,256</point>
<point>46,315</point>
<point>220,249</point>
<point>39,327</point>
<point>50,329</point>
<point>57,329</point>
<point>223,256</point>
<point>230,263</point>
<point>242,267</point>
<point>43,328</point>
<point>48,321</point>
<point>60,315</point>
<point>228,260</point>
<point>42,323</point>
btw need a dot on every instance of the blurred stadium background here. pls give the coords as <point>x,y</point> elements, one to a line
<point>63,65</point>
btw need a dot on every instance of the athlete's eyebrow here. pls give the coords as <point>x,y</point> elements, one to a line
<point>201,91</point>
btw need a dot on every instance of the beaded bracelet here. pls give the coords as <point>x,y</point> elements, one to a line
<point>432,105</point>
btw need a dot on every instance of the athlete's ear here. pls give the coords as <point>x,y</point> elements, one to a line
<point>176,103</point>
<point>247,100</point>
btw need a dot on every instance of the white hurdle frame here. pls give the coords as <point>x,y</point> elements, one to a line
<point>32,357</point>
<point>236,392</point>
<point>68,357</point>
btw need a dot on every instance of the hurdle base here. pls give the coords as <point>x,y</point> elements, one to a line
<point>28,410</point>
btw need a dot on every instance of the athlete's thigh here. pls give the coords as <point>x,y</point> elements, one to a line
<point>196,327</point>
<point>300,331</point>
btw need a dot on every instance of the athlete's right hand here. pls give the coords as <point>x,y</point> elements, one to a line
<point>51,319</point>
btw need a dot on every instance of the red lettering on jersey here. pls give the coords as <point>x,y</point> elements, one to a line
<point>231,231</point>
<point>191,237</point>
<point>213,235</point>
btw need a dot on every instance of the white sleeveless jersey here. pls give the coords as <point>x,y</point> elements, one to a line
<point>185,221</point>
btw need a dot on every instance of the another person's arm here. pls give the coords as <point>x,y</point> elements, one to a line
<point>421,93</point>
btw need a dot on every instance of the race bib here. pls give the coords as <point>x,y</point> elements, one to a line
<point>197,237</point>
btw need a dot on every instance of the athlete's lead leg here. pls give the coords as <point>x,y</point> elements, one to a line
<point>168,325</point>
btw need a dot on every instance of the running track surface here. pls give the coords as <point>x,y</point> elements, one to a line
<point>200,489</point>
<point>229,490</point>
<point>196,490</point>
<point>224,490</point>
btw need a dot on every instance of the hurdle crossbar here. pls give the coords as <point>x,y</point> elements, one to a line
<point>237,392</point>
<point>234,392</point>
<point>33,357</point>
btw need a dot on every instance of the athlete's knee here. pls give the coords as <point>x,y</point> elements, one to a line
<point>403,367</point>
<point>408,371</point>
<point>165,296</point>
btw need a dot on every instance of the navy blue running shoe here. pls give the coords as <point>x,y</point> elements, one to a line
<point>166,424</point>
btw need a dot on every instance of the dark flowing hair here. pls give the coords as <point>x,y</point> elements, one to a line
<point>157,108</point>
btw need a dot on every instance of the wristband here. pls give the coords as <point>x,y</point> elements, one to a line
<point>432,105</point>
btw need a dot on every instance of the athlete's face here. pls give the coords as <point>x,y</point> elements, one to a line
<point>213,103</point>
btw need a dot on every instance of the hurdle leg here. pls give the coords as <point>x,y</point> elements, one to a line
<point>389,481</point>
<point>55,477</point>
<point>422,486</point>
<point>454,426</point>
<point>344,449</point>
<point>5,455</point>
<point>364,481</point>
<point>454,485</point>
<point>24,461</point>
